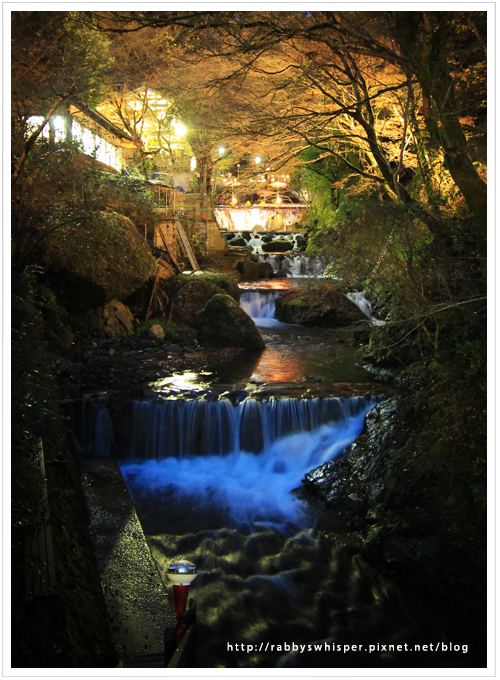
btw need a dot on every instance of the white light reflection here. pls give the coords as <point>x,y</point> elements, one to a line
<point>183,381</point>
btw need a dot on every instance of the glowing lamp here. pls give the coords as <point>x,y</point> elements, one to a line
<point>278,199</point>
<point>181,573</point>
<point>234,199</point>
<point>257,159</point>
<point>221,150</point>
<point>180,129</point>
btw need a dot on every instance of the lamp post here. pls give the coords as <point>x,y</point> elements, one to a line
<point>181,574</point>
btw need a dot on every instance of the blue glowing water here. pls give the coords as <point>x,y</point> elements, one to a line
<point>242,461</point>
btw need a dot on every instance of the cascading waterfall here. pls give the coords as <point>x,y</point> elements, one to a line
<point>202,428</point>
<point>241,461</point>
<point>261,306</point>
<point>267,570</point>
<point>297,266</point>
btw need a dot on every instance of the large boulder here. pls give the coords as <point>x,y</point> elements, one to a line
<point>322,305</point>
<point>224,281</point>
<point>103,259</point>
<point>254,271</point>
<point>223,323</point>
<point>190,300</point>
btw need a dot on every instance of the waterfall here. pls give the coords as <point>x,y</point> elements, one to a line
<point>236,463</point>
<point>296,266</point>
<point>361,302</point>
<point>260,305</point>
<point>203,428</point>
<point>92,427</point>
<point>239,219</point>
<point>365,306</point>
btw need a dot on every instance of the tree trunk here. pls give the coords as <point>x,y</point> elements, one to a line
<point>426,47</point>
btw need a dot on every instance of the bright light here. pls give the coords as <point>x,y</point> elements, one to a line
<point>234,199</point>
<point>193,163</point>
<point>257,159</point>
<point>59,129</point>
<point>278,199</point>
<point>180,129</point>
<point>221,150</point>
<point>161,115</point>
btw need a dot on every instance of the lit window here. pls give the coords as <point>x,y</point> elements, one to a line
<point>76,131</point>
<point>88,142</point>
<point>59,129</point>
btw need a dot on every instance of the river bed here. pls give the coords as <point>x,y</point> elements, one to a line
<point>276,575</point>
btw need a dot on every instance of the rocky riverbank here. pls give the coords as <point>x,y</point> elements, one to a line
<point>404,521</point>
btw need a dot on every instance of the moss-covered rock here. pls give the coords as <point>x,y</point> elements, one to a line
<point>192,298</point>
<point>223,323</point>
<point>227,283</point>
<point>93,263</point>
<point>254,271</point>
<point>250,271</point>
<point>323,305</point>
<point>277,246</point>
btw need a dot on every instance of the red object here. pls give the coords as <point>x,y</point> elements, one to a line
<point>180,599</point>
<point>202,216</point>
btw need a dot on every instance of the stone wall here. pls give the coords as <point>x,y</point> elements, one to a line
<point>209,237</point>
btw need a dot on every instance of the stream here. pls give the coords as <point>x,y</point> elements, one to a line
<point>214,480</point>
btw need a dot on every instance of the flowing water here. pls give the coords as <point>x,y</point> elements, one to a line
<point>294,353</point>
<point>297,265</point>
<point>214,481</point>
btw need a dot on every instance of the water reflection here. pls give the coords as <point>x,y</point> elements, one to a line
<point>183,381</point>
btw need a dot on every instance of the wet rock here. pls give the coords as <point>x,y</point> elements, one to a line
<point>323,305</point>
<point>354,503</point>
<point>266,270</point>
<point>250,271</point>
<point>174,349</point>
<point>277,246</point>
<point>349,482</point>
<point>235,396</point>
<point>224,323</point>
<point>238,242</point>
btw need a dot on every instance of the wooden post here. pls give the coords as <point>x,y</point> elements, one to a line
<point>187,246</point>
<point>152,294</point>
